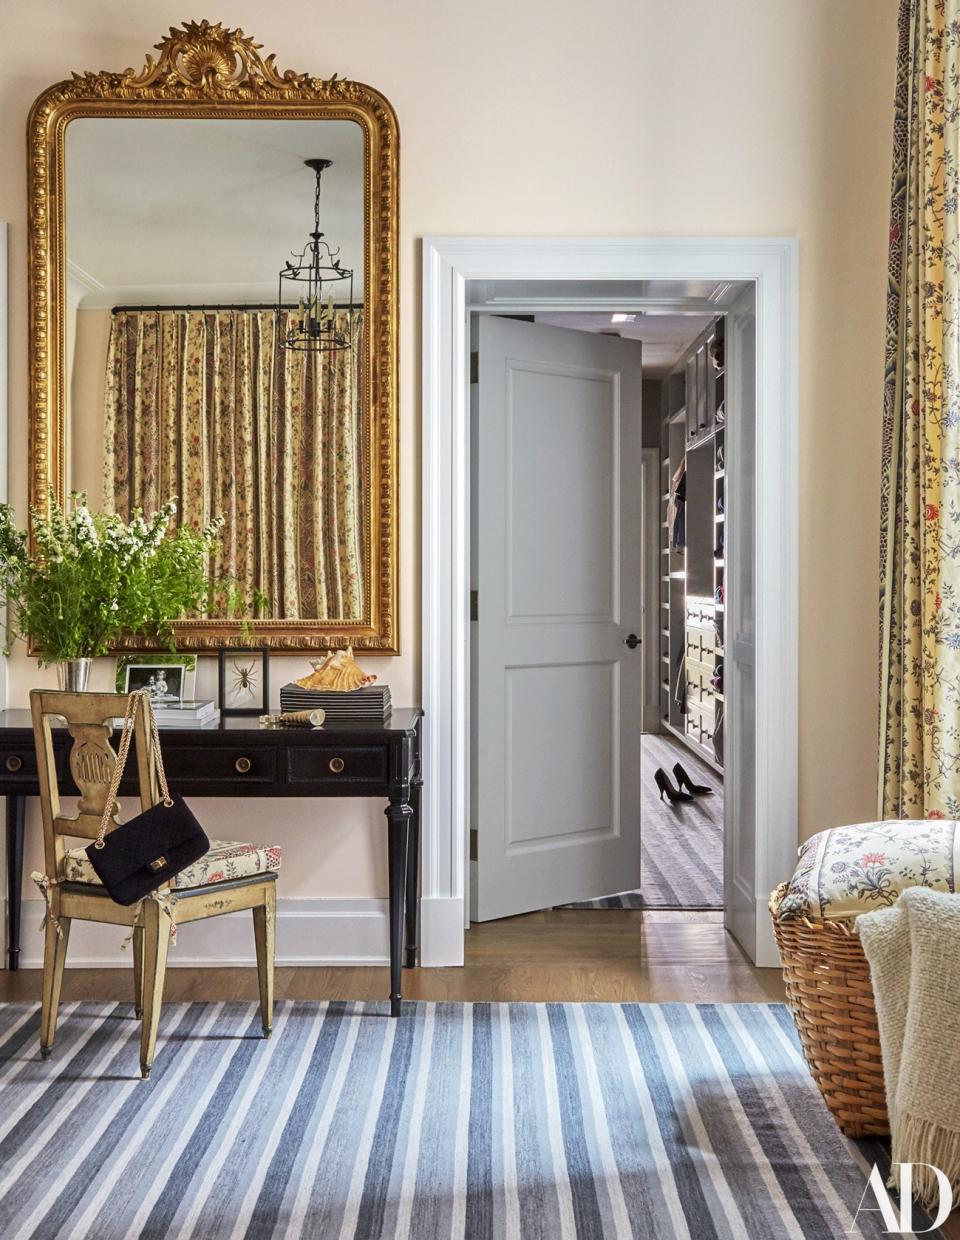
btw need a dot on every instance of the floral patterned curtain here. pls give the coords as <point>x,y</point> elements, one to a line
<point>207,406</point>
<point>920,498</point>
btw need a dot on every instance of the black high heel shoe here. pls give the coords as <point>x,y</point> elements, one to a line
<point>684,781</point>
<point>662,780</point>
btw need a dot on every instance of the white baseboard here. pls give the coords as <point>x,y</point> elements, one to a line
<point>768,954</point>
<point>441,931</point>
<point>314,931</point>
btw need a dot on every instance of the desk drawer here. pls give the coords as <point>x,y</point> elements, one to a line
<point>333,764</point>
<point>194,765</point>
<point>19,764</point>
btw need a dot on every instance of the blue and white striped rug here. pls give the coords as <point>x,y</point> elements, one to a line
<point>483,1121</point>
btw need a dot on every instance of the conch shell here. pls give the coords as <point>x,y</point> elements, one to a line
<point>337,671</point>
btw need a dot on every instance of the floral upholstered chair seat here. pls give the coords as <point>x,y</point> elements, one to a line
<point>850,870</point>
<point>226,860</point>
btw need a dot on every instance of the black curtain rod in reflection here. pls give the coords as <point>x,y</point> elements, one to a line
<point>272,305</point>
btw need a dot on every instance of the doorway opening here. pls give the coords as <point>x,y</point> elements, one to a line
<point>761,629</point>
<point>599,585</point>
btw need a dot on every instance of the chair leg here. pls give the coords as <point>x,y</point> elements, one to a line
<point>265,935</point>
<point>54,958</point>
<point>138,971</point>
<point>156,940</point>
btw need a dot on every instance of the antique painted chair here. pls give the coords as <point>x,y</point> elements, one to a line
<point>230,877</point>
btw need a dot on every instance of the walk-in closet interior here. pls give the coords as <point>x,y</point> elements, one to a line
<point>692,607</point>
<point>692,578</point>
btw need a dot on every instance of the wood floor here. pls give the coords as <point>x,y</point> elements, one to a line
<point>561,954</point>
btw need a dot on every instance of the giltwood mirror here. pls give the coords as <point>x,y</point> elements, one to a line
<point>173,353</point>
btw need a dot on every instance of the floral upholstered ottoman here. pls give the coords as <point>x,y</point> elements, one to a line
<point>851,870</point>
<point>841,873</point>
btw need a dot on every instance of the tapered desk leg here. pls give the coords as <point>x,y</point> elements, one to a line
<point>413,879</point>
<point>398,814</point>
<point>16,816</point>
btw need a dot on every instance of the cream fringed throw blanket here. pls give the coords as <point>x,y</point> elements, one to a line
<point>913,950</point>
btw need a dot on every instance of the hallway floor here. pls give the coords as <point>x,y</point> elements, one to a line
<point>681,845</point>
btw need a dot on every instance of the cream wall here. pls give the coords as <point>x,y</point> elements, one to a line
<point>630,117</point>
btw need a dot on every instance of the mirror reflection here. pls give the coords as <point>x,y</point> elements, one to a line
<point>214,351</point>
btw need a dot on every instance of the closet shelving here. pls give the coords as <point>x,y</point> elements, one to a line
<point>693,575</point>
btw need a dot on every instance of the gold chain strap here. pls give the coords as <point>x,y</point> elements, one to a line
<point>129,719</point>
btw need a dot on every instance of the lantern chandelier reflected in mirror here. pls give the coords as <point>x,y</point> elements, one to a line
<point>317,288</point>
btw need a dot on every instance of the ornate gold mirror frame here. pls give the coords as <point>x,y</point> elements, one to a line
<point>206,70</point>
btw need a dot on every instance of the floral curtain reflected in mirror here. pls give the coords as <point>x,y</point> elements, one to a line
<point>207,405</point>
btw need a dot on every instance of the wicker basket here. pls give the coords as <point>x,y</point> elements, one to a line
<point>829,991</point>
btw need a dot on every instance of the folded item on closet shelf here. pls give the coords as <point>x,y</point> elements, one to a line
<point>676,508</point>
<point>912,949</point>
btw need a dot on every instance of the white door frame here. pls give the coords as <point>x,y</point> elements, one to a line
<point>650,578</point>
<point>448,263</point>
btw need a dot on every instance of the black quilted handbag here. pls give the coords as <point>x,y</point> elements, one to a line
<point>141,855</point>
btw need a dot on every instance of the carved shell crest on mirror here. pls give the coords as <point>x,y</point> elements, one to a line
<point>208,57</point>
<point>337,671</point>
<point>92,760</point>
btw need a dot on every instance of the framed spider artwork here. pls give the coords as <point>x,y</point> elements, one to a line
<point>244,680</point>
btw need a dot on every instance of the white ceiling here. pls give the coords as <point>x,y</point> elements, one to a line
<point>665,337</point>
<point>668,315</point>
<point>171,210</point>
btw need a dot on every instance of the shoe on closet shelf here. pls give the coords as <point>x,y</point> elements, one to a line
<point>662,780</point>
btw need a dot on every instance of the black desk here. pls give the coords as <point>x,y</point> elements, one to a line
<point>241,759</point>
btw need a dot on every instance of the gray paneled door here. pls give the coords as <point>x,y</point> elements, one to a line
<point>557,692</point>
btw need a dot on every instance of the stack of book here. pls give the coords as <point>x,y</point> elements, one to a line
<point>367,705</point>
<point>186,715</point>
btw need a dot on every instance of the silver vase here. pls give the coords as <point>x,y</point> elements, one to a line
<point>73,674</point>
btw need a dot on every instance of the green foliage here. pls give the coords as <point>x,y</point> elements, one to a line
<point>230,599</point>
<point>93,577</point>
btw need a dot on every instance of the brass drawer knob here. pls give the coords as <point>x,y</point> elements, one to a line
<point>242,765</point>
<point>14,762</point>
<point>337,765</point>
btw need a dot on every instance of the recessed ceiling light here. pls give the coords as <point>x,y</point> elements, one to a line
<point>622,318</point>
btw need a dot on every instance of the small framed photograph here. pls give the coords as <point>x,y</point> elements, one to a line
<point>169,679</point>
<point>244,680</point>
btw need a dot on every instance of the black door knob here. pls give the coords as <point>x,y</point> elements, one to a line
<point>632,641</point>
